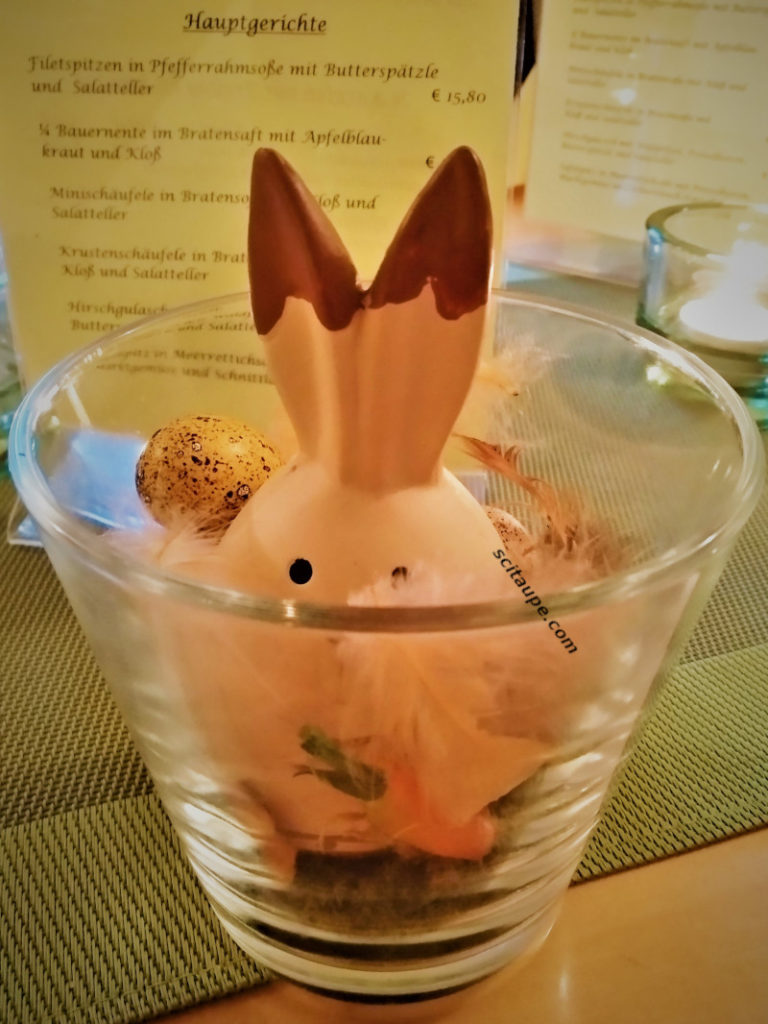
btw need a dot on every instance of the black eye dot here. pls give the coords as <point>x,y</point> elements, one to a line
<point>399,574</point>
<point>300,570</point>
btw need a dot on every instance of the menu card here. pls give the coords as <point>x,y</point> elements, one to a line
<point>642,105</point>
<point>129,129</point>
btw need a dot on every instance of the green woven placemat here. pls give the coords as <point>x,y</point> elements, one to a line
<point>101,919</point>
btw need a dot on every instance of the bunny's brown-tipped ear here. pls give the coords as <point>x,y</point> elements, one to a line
<point>372,381</point>
<point>444,239</point>
<point>294,250</point>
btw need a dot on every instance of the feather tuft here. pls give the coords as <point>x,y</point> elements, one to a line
<point>569,533</point>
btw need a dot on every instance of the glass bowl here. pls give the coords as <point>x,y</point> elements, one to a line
<point>390,802</point>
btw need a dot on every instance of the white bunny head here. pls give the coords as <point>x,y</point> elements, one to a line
<point>373,380</point>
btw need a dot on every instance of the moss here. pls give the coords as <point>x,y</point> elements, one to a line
<point>394,889</point>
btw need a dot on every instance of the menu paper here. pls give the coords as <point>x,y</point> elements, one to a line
<point>128,134</point>
<point>642,104</point>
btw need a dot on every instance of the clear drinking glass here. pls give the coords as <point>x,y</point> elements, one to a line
<point>236,700</point>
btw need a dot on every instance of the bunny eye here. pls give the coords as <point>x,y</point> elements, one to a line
<point>300,571</point>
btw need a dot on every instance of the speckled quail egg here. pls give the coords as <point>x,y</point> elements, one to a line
<point>205,467</point>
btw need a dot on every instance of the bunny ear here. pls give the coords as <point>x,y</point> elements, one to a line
<point>417,346</point>
<point>373,381</point>
<point>445,239</point>
<point>294,250</point>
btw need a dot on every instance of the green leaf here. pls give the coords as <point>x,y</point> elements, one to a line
<point>347,774</point>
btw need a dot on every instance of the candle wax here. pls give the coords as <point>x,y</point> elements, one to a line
<point>726,318</point>
<point>731,314</point>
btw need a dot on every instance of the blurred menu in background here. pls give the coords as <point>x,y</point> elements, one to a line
<point>128,133</point>
<point>640,104</point>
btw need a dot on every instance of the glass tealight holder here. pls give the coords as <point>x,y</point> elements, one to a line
<point>706,288</point>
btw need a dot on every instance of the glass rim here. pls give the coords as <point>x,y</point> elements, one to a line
<point>658,221</point>
<point>56,521</point>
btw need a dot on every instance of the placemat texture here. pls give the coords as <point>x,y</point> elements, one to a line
<point>101,919</point>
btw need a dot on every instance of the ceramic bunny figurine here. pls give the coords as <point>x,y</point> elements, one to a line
<point>373,380</point>
<point>361,742</point>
